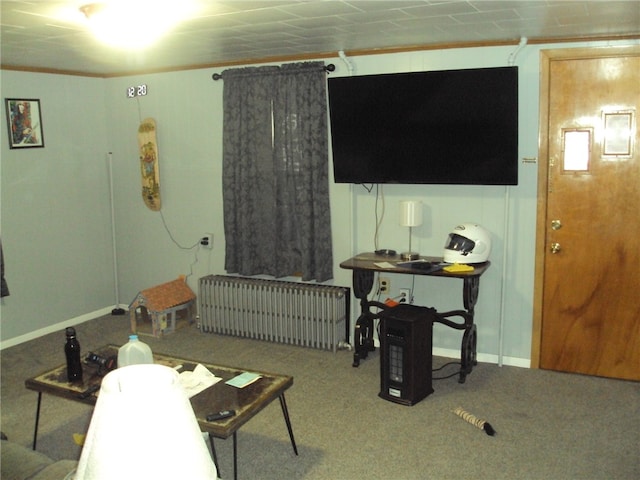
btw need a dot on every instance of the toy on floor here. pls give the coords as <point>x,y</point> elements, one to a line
<point>475,421</point>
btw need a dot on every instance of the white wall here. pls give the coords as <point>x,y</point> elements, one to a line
<point>188,109</point>
<point>188,112</point>
<point>56,227</point>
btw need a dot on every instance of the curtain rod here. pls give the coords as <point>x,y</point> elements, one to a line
<point>327,68</point>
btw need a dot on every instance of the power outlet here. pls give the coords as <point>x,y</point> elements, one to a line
<point>207,240</point>
<point>384,285</point>
<point>405,295</point>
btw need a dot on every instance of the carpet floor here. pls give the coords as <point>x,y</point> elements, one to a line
<point>549,425</point>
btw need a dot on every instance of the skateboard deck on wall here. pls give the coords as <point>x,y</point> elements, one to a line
<point>149,164</point>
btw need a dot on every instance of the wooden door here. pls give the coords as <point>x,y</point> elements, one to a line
<point>590,313</point>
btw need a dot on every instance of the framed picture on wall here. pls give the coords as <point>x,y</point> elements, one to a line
<point>24,123</point>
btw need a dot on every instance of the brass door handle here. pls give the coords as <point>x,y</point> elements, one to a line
<point>555,247</point>
<point>556,224</point>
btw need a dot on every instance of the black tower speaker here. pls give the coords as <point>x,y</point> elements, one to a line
<point>405,358</point>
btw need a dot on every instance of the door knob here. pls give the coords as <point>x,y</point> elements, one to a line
<point>556,224</point>
<point>555,247</point>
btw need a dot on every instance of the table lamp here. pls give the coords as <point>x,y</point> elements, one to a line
<point>143,426</point>
<point>410,216</point>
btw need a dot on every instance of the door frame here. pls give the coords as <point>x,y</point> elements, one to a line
<point>546,57</point>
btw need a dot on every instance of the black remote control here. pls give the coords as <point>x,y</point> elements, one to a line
<point>89,391</point>
<point>212,417</point>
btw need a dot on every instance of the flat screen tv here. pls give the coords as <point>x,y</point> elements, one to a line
<point>438,127</point>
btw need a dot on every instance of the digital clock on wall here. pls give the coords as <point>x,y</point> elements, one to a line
<point>136,91</point>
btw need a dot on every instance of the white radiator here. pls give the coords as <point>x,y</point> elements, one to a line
<point>302,314</point>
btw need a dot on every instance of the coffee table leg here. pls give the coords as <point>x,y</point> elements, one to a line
<point>235,456</point>
<point>213,452</point>
<point>285,412</point>
<point>35,429</point>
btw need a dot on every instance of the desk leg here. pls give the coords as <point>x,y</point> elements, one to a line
<point>363,338</point>
<point>285,412</point>
<point>363,329</point>
<point>215,457</point>
<point>468,352</point>
<point>468,344</point>
<point>35,429</point>
<point>471,288</point>
<point>235,455</point>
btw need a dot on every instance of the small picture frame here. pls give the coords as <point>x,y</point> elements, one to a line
<point>24,123</point>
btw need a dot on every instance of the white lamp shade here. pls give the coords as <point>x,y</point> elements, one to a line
<point>143,426</point>
<point>410,213</point>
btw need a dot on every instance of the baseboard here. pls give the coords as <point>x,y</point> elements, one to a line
<point>54,328</point>
<point>484,357</point>
<point>481,357</point>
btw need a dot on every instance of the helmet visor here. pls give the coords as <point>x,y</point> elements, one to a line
<point>459,243</point>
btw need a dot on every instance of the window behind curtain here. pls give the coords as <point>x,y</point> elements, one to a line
<point>275,171</point>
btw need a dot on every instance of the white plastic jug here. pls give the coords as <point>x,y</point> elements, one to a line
<point>134,352</point>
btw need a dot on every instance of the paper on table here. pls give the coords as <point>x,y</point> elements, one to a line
<point>384,265</point>
<point>198,380</point>
<point>244,379</point>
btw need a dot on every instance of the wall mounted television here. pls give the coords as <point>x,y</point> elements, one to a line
<point>455,127</point>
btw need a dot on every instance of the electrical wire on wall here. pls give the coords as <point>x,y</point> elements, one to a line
<point>350,66</point>
<point>379,214</point>
<point>139,110</point>
<point>183,247</point>
<point>514,54</point>
<point>506,236</point>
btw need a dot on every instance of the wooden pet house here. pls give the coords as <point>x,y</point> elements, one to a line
<point>162,305</point>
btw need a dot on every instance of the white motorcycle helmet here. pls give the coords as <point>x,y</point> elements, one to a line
<point>467,243</point>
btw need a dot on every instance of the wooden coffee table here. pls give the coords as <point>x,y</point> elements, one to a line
<point>247,401</point>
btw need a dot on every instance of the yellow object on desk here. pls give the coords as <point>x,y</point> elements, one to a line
<point>458,267</point>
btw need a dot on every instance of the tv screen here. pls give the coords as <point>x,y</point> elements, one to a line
<point>438,127</point>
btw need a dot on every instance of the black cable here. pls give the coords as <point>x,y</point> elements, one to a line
<point>443,366</point>
<point>171,235</point>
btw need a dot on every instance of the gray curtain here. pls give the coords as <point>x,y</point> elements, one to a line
<point>275,171</point>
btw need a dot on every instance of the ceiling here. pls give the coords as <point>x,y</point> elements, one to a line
<point>52,35</point>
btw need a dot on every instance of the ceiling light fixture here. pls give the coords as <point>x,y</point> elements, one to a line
<point>133,24</point>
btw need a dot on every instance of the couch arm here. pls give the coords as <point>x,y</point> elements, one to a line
<point>22,463</point>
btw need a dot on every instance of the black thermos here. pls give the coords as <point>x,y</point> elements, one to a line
<point>72,351</point>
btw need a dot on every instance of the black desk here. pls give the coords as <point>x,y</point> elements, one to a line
<point>364,266</point>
